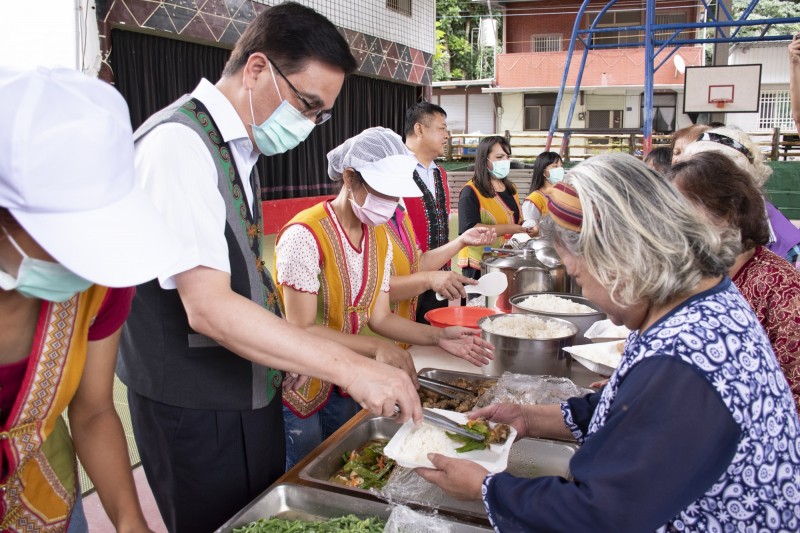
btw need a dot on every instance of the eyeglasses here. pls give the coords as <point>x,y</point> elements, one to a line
<point>727,141</point>
<point>323,115</point>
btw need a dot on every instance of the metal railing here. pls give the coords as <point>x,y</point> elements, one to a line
<point>775,144</point>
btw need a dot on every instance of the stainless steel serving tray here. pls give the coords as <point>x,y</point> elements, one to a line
<point>297,501</point>
<point>529,458</point>
<point>450,375</point>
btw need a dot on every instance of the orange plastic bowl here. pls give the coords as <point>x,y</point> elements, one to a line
<point>458,316</point>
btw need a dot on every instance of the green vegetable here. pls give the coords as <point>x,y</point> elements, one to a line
<point>476,428</point>
<point>344,524</point>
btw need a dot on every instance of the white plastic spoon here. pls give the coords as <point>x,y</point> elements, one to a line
<point>491,284</point>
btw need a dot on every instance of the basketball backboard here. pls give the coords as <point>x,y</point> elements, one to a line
<point>722,89</point>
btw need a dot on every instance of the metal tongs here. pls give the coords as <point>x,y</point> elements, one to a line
<point>445,389</point>
<point>443,422</point>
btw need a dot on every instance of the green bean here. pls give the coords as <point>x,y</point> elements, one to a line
<point>344,524</point>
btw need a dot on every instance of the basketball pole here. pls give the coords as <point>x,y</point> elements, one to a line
<point>721,50</point>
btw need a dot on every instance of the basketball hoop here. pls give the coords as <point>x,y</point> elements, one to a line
<point>721,102</point>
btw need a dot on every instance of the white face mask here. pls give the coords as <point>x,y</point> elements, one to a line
<point>556,175</point>
<point>500,168</point>
<point>375,211</point>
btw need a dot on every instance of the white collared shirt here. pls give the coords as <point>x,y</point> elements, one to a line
<point>176,170</point>
<point>428,176</point>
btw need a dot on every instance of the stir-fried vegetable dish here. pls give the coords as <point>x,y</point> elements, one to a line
<point>344,524</point>
<point>365,468</point>
<point>496,434</point>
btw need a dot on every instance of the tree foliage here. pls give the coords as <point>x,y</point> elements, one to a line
<point>458,54</point>
<point>769,9</point>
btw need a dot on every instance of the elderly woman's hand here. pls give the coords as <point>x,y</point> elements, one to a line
<point>462,342</point>
<point>504,413</point>
<point>458,478</point>
<point>478,236</point>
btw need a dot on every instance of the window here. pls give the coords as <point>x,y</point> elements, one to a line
<point>546,43</point>
<point>604,119</point>
<point>663,111</point>
<point>677,17</point>
<point>539,109</point>
<point>612,19</point>
<point>401,6</point>
<point>775,110</point>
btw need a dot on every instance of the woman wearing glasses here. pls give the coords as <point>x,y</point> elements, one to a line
<point>784,237</point>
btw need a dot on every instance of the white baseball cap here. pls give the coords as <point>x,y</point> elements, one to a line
<point>380,156</point>
<point>67,176</point>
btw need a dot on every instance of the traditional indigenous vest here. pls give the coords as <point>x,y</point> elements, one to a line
<point>405,258</point>
<point>40,489</point>
<point>430,216</point>
<point>161,356</point>
<point>493,211</point>
<point>761,481</point>
<point>539,200</point>
<point>337,307</point>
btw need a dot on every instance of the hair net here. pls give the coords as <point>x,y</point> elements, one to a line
<point>370,145</point>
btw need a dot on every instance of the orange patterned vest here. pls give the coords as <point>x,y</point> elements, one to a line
<point>39,492</point>
<point>337,307</point>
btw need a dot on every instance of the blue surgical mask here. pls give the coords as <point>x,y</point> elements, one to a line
<point>556,175</point>
<point>500,168</point>
<point>41,279</point>
<point>285,128</point>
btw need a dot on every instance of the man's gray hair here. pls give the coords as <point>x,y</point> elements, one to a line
<point>640,238</point>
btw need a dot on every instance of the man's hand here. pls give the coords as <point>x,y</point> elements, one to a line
<point>378,388</point>
<point>794,51</point>
<point>458,478</point>
<point>391,354</point>
<point>449,284</point>
<point>462,342</point>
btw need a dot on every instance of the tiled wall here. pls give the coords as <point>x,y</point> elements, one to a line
<point>396,53</point>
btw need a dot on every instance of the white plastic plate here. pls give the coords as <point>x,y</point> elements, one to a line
<point>605,330</point>
<point>493,459</point>
<point>600,357</point>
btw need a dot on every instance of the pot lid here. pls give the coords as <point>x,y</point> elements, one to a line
<point>514,261</point>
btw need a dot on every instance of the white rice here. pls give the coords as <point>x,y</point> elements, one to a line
<point>423,440</point>
<point>554,304</point>
<point>527,327</point>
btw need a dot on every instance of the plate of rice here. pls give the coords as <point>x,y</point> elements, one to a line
<point>411,445</point>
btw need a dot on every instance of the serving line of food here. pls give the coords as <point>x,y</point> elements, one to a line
<point>352,476</point>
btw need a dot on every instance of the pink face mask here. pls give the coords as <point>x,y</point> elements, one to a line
<point>375,211</point>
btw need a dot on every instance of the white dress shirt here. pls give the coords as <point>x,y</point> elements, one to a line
<point>428,176</point>
<point>176,170</point>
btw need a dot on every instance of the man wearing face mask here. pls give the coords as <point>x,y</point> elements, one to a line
<point>204,347</point>
<point>332,264</point>
<point>489,200</point>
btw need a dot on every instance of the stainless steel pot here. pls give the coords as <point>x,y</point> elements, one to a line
<point>583,321</point>
<point>528,356</point>
<point>526,273</point>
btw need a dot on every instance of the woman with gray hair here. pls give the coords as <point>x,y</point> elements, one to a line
<point>736,145</point>
<point>696,430</point>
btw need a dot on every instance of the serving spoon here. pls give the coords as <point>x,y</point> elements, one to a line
<point>491,284</point>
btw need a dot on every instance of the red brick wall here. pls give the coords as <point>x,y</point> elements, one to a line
<point>520,27</point>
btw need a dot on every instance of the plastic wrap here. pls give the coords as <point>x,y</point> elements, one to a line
<point>525,389</point>
<point>406,520</point>
<point>405,486</point>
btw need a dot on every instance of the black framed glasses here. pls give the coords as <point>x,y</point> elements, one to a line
<point>323,115</point>
<point>727,141</point>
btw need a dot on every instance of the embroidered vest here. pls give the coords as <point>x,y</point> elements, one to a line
<point>405,260</point>
<point>161,356</point>
<point>430,216</point>
<point>760,486</point>
<point>40,489</point>
<point>337,307</point>
<point>493,211</point>
<point>539,200</point>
